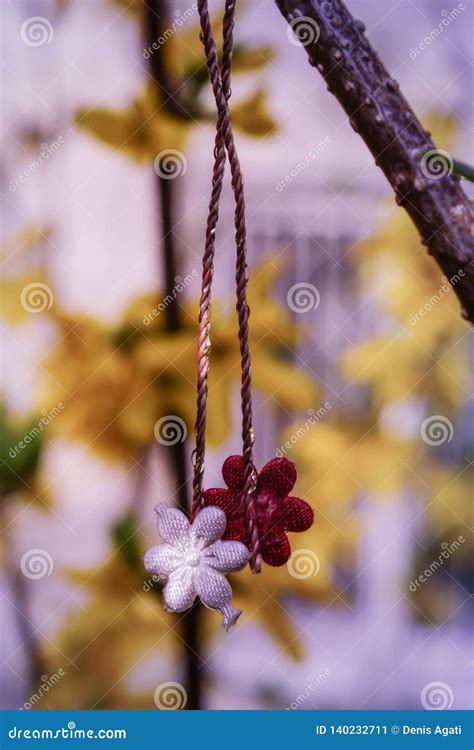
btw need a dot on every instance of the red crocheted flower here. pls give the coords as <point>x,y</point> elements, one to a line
<point>276,511</point>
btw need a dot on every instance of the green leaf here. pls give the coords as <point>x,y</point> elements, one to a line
<point>459,168</point>
<point>463,170</point>
<point>125,538</point>
<point>20,453</point>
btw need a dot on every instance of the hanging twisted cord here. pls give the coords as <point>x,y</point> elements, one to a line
<point>204,344</point>
<point>220,82</point>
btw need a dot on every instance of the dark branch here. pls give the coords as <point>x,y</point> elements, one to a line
<point>157,21</point>
<point>443,214</point>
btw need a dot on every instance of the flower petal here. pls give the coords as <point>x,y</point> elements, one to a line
<point>229,501</point>
<point>292,514</point>
<point>230,615</point>
<point>275,548</point>
<point>161,560</point>
<point>233,472</point>
<point>279,476</point>
<point>209,525</point>
<point>212,587</point>
<point>235,530</point>
<point>179,593</point>
<point>172,523</point>
<point>227,556</point>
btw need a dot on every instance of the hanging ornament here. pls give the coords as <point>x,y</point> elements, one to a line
<point>276,512</point>
<point>193,560</point>
<point>254,514</point>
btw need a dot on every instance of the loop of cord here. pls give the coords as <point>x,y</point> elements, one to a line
<point>220,78</point>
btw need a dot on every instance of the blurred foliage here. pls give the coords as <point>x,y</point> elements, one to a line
<point>413,362</point>
<point>449,524</point>
<point>117,380</point>
<point>419,352</point>
<point>148,126</point>
<point>21,448</point>
<point>142,130</point>
<point>99,646</point>
<point>13,308</point>
<point>14,246</point>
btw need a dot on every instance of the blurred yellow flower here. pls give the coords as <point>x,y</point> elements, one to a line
<point>142,130</point>
<point>99,647</point>
<point>116,382</point>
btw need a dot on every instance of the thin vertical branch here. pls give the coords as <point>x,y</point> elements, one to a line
<point>156,23</point>
<point>17,586</point>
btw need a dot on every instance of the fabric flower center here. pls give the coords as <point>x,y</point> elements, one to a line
<point>192,558</point>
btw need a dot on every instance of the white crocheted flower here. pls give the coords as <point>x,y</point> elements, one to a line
<point>194,559</point>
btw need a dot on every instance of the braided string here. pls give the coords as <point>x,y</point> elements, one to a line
<point>204,343</point>
<point>220,82</point>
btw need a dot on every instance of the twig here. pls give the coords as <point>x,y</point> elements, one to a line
<point>156,15</point>
<point>443,214</point>
<point>16,583</point>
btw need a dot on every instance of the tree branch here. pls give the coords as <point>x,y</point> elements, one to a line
<point>378,111</point>
<point>157,21</point>
<point>16,583</point>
